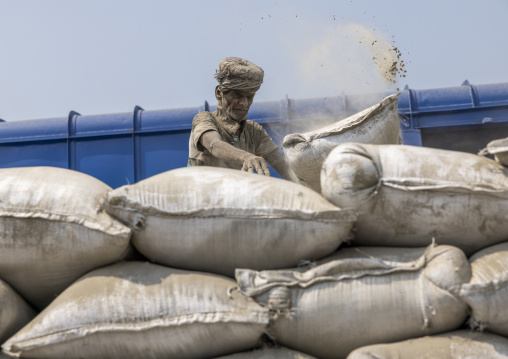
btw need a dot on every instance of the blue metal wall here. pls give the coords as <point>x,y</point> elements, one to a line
<point>116,148</point>
<point>127,147</point>
<point>463,118</point>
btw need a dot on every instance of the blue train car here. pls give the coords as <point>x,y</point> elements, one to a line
<point>463,118</point>
<point>127,147</point>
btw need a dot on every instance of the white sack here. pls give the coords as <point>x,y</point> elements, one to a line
<point>487,292</point>
<point>269,353</point>
<point>407,195</point>
<point>218,219</point>
<point>141,310</point>
<point>15,312</point>
<point>499,149</point>
<point>306,152</point>
<point>362,299</point>
<point>460,344</point>
<point>53,229</point>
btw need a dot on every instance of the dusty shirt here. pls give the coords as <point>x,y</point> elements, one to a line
<point>248,136</point>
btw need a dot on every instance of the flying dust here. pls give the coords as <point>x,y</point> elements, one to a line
<point>386,56</point>
<point>349,58</point>
<point>345,59</point>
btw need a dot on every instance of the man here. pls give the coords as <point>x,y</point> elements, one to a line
<point>225,138</point>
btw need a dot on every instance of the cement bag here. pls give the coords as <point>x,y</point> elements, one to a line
<point>53,229</point>
<point>460,344</point>
<point>487,292</point>
<point>407,195</point>
<point>15,312</point>
<point>142,310</point>
<point>306,152</point>
<point>343,304</point>
<point>499,149</point>
<point>218,219</point>
<point>269,353</point>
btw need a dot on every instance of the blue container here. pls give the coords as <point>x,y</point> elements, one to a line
<point>463,118</point>
<point>118,148</point>
<point>125,148</point>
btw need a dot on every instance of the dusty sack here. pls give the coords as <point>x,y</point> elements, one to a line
<point>306,152</point>
<point>487,292</point>
<point>499,149</point>
<point>15,312</point>
<point>269,353</point>
<point>460,344</point>
<point>362,299</point>
<point>218,219</point>
<point>142,310</point>
<point>53,229</point>
<point>407,195</point>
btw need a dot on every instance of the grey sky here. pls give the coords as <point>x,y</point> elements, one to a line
<point>107,56</point>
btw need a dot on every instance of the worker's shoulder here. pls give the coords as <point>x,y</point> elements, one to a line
<point>253,125</point>
<point>203,116</point>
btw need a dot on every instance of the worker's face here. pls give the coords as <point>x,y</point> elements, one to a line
<point>235,103</point>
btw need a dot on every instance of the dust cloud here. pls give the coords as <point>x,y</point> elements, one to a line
<point>349,58</point>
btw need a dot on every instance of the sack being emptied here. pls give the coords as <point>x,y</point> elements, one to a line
<point>306,152</point>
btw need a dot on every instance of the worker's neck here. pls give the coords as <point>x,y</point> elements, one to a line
<point>230,124</point>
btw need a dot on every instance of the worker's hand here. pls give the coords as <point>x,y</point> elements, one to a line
<point>252,162</point>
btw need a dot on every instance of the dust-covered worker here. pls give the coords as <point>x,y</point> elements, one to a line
<point>225,138</point>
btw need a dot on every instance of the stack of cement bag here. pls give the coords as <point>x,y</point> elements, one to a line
<point>409,196</point>
<point>66,251</point>
<point>402,251</point>
<point>53,230</point>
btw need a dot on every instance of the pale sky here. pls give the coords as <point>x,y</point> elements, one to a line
<point>107,56</point>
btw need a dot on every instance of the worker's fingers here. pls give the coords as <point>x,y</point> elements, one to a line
<point>259,169</point>
<point>248,168</point>
<point>262,169</point>
<point>265,168</point>
<point>258,164</point>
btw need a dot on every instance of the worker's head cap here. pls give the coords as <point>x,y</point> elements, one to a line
<point>239,74</point>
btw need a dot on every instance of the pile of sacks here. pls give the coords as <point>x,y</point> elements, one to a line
<point>402,251</point>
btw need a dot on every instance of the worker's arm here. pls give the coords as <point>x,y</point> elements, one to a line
<point>278,162</point>
<point>223,150</point>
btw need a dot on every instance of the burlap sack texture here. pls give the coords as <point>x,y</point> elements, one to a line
<point>217,219</point>
<point>143,310</point>
<point>487,292</point>
<point>407,195</point>
<point>459,344</point>
<point>53,229</point>
<point>363,298</point>
<point>498,149</point>
<point>15,312</point>
<point>277,352</point>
